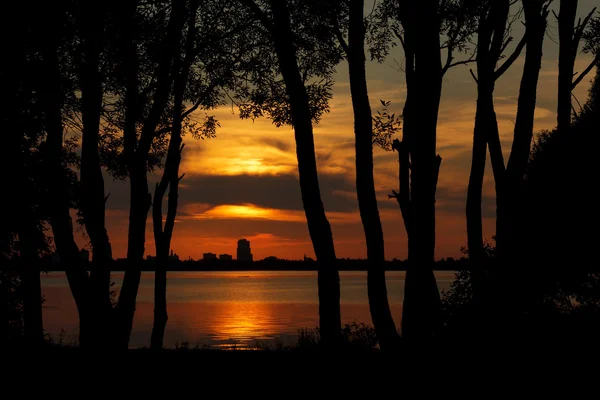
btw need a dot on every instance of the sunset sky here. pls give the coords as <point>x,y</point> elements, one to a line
<point>244,183</point>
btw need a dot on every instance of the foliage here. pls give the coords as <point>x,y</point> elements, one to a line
<point>556,283</point>
<point>458,23</point>
<point>218,35</point>
<point>591,36</point>
<point>385,126</point>
<point>355,336</point>
<point>261,90</point>
<point>457,300</point>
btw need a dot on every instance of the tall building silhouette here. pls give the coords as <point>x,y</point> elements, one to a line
<point>243,250</point>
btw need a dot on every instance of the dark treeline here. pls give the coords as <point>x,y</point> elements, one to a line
<point>267,264</point>
<point>110,88</point>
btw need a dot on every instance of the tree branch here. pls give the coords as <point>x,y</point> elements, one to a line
<point>463,62</point>
<point>511,59</point>
<point>577,81</point>
<point>340,37</point>
<point>473,75</point>
<point>260,14</point>
<point>581,28</point>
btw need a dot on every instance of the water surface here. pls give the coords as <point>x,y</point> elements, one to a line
<point>225,308</point>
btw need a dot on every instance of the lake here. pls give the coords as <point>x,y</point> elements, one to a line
<point>229,308</point>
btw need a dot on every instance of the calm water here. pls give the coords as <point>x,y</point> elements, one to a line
<point>222,308</point>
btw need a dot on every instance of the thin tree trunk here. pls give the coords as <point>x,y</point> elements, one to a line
<point>130,63</point>
<point>508,230</point>
<point>162,237</point>
<point>475,188</point>
<point>566,62</point>
<point>365,184</point>
<point>170,178</point>
<point>318,225</point>
<point>137,156</point>
<point>510,234</point>
<point>490,42</point>
<point>91,26</point>
<point>138,211</point>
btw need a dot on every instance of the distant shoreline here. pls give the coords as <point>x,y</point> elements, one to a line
<point>120,265</point>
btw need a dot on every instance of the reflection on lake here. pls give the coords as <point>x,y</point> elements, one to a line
<point>221,308</point>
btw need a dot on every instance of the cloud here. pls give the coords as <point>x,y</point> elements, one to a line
<point>280,192</point>
<point>278,144</point>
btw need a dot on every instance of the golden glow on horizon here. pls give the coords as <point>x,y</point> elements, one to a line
<point>250,211</point>
<point>237,166</point>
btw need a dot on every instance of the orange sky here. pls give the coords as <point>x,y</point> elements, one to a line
<point>244,182</point>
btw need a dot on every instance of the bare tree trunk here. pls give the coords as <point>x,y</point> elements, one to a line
<point>421,314</point>
<point>138,211</point>
<point>508,230</point>
<point>162,237</point>
<point>126,304</point>
<point>170,178</point>
<point>475,188</point>
<point>509,233</point>
<point>566,61</point>
<point>318,225</point>
<point>490,43</point>
<point>91,27</point>
<point>365,184</point>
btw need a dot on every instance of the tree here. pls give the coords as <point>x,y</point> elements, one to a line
<point>352,17</point>
<point>170,178</point>
<point>136,151</point>
<point>420,27</point>
<point>51,26</point>
<point>22,233</point>
<point>91,24</point>
<point>201,71</point>
<point>509,179</point>
<point>492,40</point>
<point>569,36</point>
<point>301,52</point>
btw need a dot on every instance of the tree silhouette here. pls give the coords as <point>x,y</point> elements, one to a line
<point>492,40</point>
<point>170,178</point>
<point>22,232</point>
<point>569,36</point>
<point>292,32</point>
<point>91,24</point>
<point>350,15</point>
<point>202,71</point>
<point>420,27</point>
<point>509,179</point>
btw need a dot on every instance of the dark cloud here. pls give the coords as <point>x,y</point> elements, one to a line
<point>323,157</point>
<point>278,144</point>
<point>242,227</point>
<point>281,191</point>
